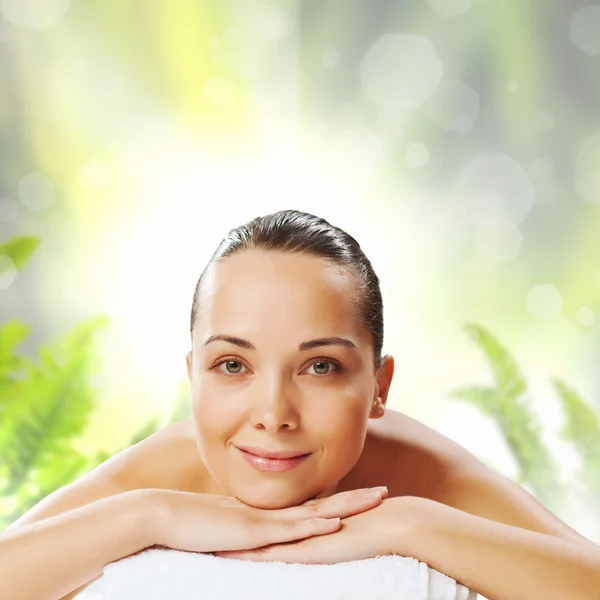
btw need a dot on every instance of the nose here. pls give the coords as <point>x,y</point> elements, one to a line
<point>275,408</point>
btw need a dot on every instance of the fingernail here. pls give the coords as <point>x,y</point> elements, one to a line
<point>381,488</point>
<point>374,494</point>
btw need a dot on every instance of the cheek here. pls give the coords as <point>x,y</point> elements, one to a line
<point>341,415</point>
<point>214,417</point>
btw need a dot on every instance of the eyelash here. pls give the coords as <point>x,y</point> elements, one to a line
<point>337,366</point>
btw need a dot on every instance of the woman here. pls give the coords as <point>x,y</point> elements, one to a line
<point>289,424</point>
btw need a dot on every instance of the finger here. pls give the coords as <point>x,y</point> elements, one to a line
<point>254,554</point>
<point>348,505</point>
<point>300,552</point>
<point>349,494</point>
<point>277,532</point>
<point>258,555</point>
<point>342,505</point>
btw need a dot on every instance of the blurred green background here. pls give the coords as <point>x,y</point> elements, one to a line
<point>457,140</point>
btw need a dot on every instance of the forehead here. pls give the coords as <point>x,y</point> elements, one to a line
<point>256,292</point>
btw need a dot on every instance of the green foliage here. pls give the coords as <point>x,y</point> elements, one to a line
<point>506,403</point>
<point>45,408</point>
<point>11,365</point>
<point>582,429</point>
<point>19,249</point>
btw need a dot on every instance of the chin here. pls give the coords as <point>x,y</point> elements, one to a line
<point>273,497</point>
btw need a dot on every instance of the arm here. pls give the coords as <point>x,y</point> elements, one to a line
<point>68,550</point>
<point>473,488</point>
<point>499,561</point>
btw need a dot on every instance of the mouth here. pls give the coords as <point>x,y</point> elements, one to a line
<point>275,454</point>
<point>273,460</point>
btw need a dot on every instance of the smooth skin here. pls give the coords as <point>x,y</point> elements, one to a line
<point>265,371</point>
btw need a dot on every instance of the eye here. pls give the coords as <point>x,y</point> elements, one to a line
<point>324,367</point>
<point>230,366</point>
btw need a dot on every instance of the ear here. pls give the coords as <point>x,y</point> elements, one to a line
<point>188,361</point>
<point>385,374</point>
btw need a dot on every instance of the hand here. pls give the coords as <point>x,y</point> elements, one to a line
<point>377,532</point>
<point>208,523</point>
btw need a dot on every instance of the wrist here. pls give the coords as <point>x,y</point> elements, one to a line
<point>149,508</point>
<point>411,524</point>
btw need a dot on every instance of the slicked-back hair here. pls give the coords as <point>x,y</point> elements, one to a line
<point>302,233</point>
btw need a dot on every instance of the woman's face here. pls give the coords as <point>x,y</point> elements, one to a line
<point>281,362</point>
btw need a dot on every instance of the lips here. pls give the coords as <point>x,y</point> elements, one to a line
<point>276,461</point>
<point>276,454</point>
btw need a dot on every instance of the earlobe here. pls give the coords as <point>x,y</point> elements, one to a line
<point>377,409</point>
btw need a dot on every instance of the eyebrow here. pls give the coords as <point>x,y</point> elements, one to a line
<point>308,345</point>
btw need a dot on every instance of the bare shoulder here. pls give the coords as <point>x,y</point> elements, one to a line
<point>410,457</point>
<point>425,463</point>
<point>415,437</point>
<point>167,459</point>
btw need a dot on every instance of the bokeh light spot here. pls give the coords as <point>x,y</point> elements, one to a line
<point>416,155</point>
<point>487,206</point>
<point>8,272</point>
<point>442,223</point>
<point>498,241</point>
<point>587,173</point>
<point>502,177</point>
<point>34,14</point>
<point>450,8</point>
<point>454,106</point>
<point>35,191</point>
<point>401,71</point>
<point>512,86</point>
<point>586,316</point>
<point>544,301</point>
<point>394,121</point>
<point>584,30</point>
<point>9,210</point>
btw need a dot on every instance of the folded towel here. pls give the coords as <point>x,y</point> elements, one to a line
<point>158,574</point>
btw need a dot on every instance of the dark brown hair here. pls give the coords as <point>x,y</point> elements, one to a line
<point>303,233</point>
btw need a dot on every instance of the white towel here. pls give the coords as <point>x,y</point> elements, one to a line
<point>158,574</point>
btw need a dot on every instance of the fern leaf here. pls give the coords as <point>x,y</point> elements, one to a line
<point>55,402</point>
<point>479,397</point>
<point>20,249</point>
<point>507,405</point>
<point>507,375</point>
<point>582,429</point>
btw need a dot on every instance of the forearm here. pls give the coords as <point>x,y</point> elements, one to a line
<point>499,561</point>
<point>50,558</point>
